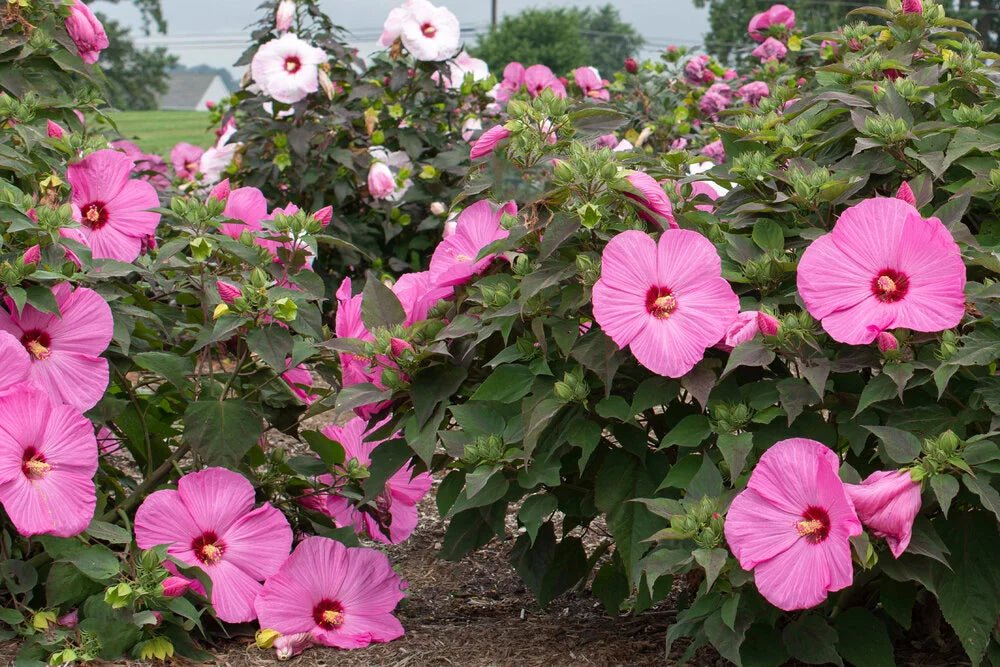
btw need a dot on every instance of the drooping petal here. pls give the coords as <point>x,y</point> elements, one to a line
<point>233,592</point>
<point>802,576</point>
<point>888,502</point>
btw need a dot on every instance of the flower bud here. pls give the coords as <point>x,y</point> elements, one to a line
<point>54,130</point>
<point>397,346</point>
<point>768,324</point>
<point>438,208</point>
<point>289,646</point>
<point>220,310</point>
<point>913,7</point>
<point>227,291</point>
<point>221,191</point>
<point>381,183</point>
<point>266,637</point>
<point>284,16</point>
<point>631,66</point>
<point>887,342</point>
<point>905,193</point>
<point>69,620</point>
<point>324,215</point>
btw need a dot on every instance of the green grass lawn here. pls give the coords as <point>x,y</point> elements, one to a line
<point>158,131</point>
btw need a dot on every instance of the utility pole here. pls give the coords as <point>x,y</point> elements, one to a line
<point>493,15</point>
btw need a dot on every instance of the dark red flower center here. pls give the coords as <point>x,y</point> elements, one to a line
<point>293,64</point>
<point>815,525</point>
<point>429,30</point>
<point>889,286</point>
<point>37,343</point>
<point>328,614</point>
<point>660,302</point>
<point>208,548</point>
<point>33,464</point>
<point>94,215</point>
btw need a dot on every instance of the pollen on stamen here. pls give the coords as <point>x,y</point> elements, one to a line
<point>428,29</point>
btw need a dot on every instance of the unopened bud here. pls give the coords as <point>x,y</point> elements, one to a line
<point>887,342</point>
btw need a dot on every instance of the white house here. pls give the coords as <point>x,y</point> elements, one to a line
<point>192,91</point>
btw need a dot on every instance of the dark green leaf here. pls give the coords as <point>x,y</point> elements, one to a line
<point>690,431</point>
<point>173,367</point>
<point>273,344</point>
<point>863,640</point>
<point>330,452</point>
<point>506,384</point>
<point>380,307</point>
<point>221,432</point>
<point>387,458</point>
<point>900,446</point>
<point>432,386</point>
<point>810,638</point>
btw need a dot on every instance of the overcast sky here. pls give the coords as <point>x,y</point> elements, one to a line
<point>213,31</point>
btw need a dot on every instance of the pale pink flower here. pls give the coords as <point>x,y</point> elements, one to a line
<point>666,300</point>
<point>438,208</point>
<point>488,141</point>
<point>539,77</point>
<point>430,33</point>
<point>513,79</point>
<point>113,211</point>
<point>86,32</point>
<point>778,16</point>
<point>588,79</point>
<point>770,49</point>
<point>704,189</point>
<point>210,523</point>
<point>65,351</point>
<point>711,103</point>
<point>606,141</point>
<point>715,151</point>
<point>418,293</point>
<point>284,15</point>
<point>792,524</point>
<point>289,646</point>
<point>655,207</point>
<point>753,92</point>
<point>217,159</point>
<point>887,502</point>
<point>461,65</point>
<point>185,159</point>
<point>381,183</point>
<point>287,68</point>
<point>454,260</point>
<point>343,597</point>
<point>48,457</point>
<point>905,193</point>
<point>882,267</point>
<point>54,129</point>
<point>69,619</point>
<point>469,128</point>
<point>696,70</point>
<point>394,515</point>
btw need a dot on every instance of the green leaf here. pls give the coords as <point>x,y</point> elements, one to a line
<point>65,585</point>
<point>707,482</point>
<point>42,299</point>
<point>380,307</point>
<point>611,588</point>
<point>810,638</point>
<point>735,449</point>
<point>330,452</point>
<point>387,458</point>
<point>767,235</point>
<point>690,431</point>
<point>97,562</point>
<point>900,446</point>
<point>598,353</point>
<point>621,478</point>
<point>969,593</point>
<point>108,532</point>
<point>19,576</point>
<point>431,386</point>
<point>11,617</point>
<point>751,353</point>
<point>273,344</point>
<point>712,561</point>
<point>945,488</point>
<point>534,511</point>
<point>114,637</point>
<point>507,384</point>
<point>863,640</point>
<point>547,567</point>
<point>173,367</point>
<point>988,495</point>
<point>470,530</point>
<point>879,388</point>
<point>221,432</point>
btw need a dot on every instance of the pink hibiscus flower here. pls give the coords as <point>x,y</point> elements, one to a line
<point>64,351</point>
<point>299,380</point>
<point>771,49</point>
<point>418,293</point>
<point>287,68</point>
<point>246,207</point>
<point>16,361</point>
<point>454,260</point>
<point>343,597</point>
<point>888,502</point>
<point>185,158</point>
<point>381,182</point>
<point>589,80</point>
<point>666,300</point>
<point>513,79</point>
<point>655,205</point>
<point>883,266</point>
<point>48,457</point>
<point>777,16</point>
<point>488,141</point>
<point>395,514</point>
<point>429,33</point>
<point>539,77</point>
<point>746,326</point>
<point>753,92</point>
<point>86,32</point>
<point>113,211</point>
<point>210,522</point>
<point>356,370</point>
<point>792,525</point>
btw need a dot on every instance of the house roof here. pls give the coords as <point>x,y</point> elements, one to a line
<point>186,89</point>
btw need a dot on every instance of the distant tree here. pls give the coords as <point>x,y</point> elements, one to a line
<point>562,38</point>
<point>727,38</point>
<point>151,13</point>
<point>135,76</point>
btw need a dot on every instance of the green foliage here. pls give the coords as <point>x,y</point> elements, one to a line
<point>562,38</point>
<point>136,77</point>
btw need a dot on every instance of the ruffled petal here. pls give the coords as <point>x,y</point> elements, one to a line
<point>258,542</point>
<point>216,498</point>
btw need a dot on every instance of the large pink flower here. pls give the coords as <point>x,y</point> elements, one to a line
<point>16,365</point>
<point>418,293</point>
<point>210,522</point>
<point>792,525</point>
<point>299,380</point>
<point>488,141</point>
<point>589,80</point>
<point>395,514</point>
<point>356,370</point>
<point>343,597</point>
<point>454,260</point>
<point>428,32</point>
<point>65,351</point>
<point>86,32</point>
<point>771,49</point>
<point>656,207</point>
<point>247,207</point>
<point>287,68</point>
<point>883,266</point>
<point>666,300</point>
<point>539,77</point>
<point>461,65</point>
<point>887,502</point>
<point>113,211</point>
<point>48,457</point>
<point>753,92</point>
<point>148,166</point>
<point>185,159</point>
<point>513,79</point>
<point>777,16</point>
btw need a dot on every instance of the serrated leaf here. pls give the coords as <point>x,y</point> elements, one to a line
<point>221,432</point>
<point>945,488</point>
<point>273,344</point>
<point>900,446</point>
